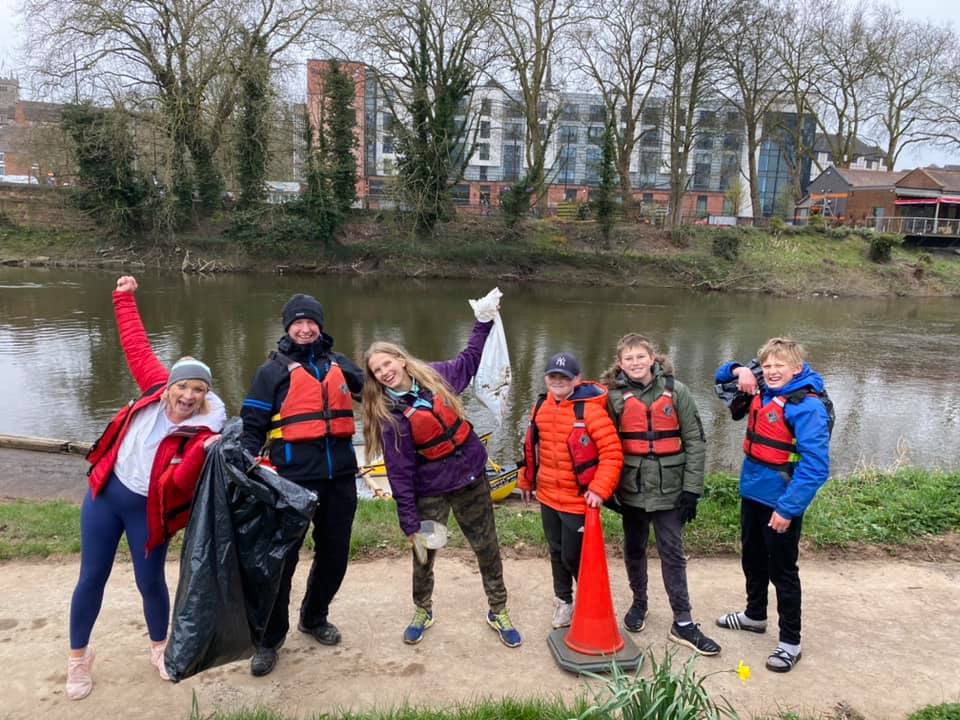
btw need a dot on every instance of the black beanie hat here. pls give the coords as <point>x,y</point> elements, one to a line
<point>302,306</point>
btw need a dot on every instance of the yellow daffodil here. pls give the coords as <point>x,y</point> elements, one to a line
<point>743,672</point>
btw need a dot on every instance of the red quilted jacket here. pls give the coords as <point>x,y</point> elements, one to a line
<point>170,491</point>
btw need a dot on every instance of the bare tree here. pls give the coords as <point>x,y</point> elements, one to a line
<point>910,61</point>
<point>535,36</point>
<point>752,80</point>
<point>430,55</point>
<point>182,55</point>
<point>944,113</point>
<point>848,64</point>
<point>794,129</point>
<point>691,32</point>
<point>621,51</point>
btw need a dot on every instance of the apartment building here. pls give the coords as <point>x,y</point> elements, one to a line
<point>717,162</point>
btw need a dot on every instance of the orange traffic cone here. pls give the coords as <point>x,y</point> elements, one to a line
<point>593,630</point>
<point>593,640</point>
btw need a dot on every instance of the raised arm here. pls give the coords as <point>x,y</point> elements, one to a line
<point>145,368</point>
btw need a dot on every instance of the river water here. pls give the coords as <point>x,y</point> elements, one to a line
<point>890,364</point>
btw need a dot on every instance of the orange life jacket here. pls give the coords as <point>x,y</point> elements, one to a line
<point>583,450</point>
<point>768,440</point>
<point>313,408</point>
<point>653,430</point>
<point>437,431</point>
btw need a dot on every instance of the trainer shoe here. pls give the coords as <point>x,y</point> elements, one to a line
<point>636,618</point>
<point>562,613</point>
<point>422,619</point>
<point>691,636</point>
<point>263,662</point>
<point>500,622</point>
<point>156,659</point>
<point>79,678</point>
<point>324,633</point>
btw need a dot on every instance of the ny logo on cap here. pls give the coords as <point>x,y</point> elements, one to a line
<point>560,361</point>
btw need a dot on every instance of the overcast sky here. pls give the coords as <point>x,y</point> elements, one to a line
<point>946,10</point>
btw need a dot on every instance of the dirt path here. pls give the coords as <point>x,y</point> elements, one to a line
<point>880,636</point>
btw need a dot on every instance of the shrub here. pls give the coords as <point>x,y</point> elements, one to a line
<point>881,246</point>
<point>777,224</point>
<point>817,223</point>
<point>726,244</point>
<point>680,236</point>
<point>937,712</point>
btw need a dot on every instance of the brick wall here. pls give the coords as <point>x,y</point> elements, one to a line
<point>861,203</point>
<point>39,207</point>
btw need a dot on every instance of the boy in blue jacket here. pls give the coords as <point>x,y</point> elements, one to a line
<point>787,459</point>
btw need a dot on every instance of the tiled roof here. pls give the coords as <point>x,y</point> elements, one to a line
<point>870,178</point>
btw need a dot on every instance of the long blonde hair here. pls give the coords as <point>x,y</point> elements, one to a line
<point>633,340</point>
<point>376,404</point>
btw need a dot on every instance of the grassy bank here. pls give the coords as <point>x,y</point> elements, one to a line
<point>791,261</point>
<point>884,510</point>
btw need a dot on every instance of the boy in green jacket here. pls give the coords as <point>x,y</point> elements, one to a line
<point>664,451</point>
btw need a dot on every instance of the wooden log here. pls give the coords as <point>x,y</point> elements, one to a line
<point>38,444</point>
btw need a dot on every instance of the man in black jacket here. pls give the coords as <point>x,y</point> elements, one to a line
<point>298,415</point>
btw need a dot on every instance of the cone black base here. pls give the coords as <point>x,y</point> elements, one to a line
<point>628,658</point>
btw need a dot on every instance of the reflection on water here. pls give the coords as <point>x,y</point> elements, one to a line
<point>887,363</point>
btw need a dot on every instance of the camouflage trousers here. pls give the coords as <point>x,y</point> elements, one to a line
<point>473,510</point>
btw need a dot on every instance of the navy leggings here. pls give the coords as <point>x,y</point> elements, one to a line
<point>115,511</point>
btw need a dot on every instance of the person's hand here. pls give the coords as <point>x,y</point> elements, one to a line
<point>526,496</point>
<point>746,381</point>
<point>126,283</point>
<point>778,523</point>
<point>212,440</point>
<point>687,505</point>
<point>592,499</point>
<point>485,309</point>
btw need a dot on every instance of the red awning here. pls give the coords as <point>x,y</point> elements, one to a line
<point>943,200</point>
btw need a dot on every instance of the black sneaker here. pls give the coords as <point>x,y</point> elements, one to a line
<point>636,618</point>
<point>263,662</point>
<point>325,633</point>
<point>691,636</point>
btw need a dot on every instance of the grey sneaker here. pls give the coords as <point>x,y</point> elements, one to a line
<point>562,613</point>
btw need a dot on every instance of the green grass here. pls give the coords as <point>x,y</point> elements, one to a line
<point>937,712</point>
<point>870,507</point>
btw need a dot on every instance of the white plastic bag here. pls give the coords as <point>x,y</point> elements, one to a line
<point>492,381</point>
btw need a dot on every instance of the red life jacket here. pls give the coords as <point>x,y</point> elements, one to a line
<point>313,408</point>
<point>437,431</point>
<point>583,450</point>
<point>768,440</point>
<point>117,426</point>
<point>653,430</point>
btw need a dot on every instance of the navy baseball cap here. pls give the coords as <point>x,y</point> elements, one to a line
<point>563,363</point>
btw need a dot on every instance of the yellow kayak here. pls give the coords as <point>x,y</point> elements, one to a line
<point>503,480</point>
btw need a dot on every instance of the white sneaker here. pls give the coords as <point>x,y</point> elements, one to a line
<point>156,659</point>
<point>79,679</point>
<point>562,613</point>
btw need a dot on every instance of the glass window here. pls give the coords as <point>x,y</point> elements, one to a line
<point>513,132</point>
<point>483,172</point>
<point>595,134</point>
<point>514,109</point>
<point>597,113</point>
<point>569,134</point>
<point>701,205</point>
<point>650,138</point>
<point>731,141</point>
<point>570,194</point>
<point>704,141</point>
<point>485,129</point>
<point>460,193</point>
<point>486,106</point>
<point>648,198</point>
<point>542,110</point>
<point>388,148</point>
<point>483,151</point>
<point>594,159</point>
<point>570,111</point>
<point>651,116</point>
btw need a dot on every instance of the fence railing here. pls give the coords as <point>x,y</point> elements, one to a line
<point>918,226</point>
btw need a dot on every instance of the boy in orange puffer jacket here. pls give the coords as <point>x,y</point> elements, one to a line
<point>573,459</point>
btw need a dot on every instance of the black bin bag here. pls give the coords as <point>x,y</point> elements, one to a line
<point>242,525</point>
